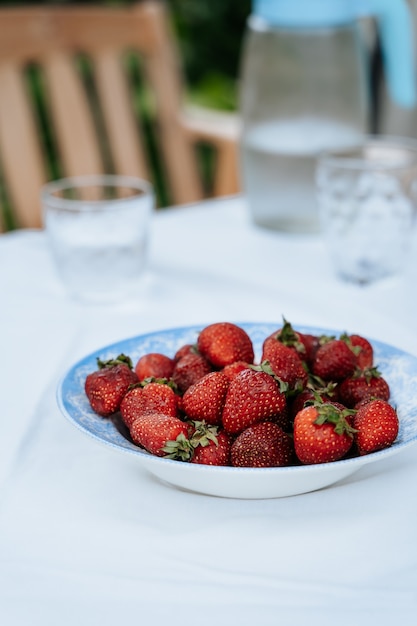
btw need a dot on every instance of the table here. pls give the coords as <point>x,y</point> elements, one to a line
<point>87,537</point>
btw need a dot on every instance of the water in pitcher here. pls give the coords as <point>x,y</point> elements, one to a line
<point>279,160</point>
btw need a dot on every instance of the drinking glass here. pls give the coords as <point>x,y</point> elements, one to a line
<point>98,230</point>
<point>367,205</point>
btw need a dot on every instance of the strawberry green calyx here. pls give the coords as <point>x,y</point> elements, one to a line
<point>161,381</point>
<point>316,400</point>
<point>327,413</point>
<point>346,338</point>
<point>168,382</point>
<point>368,373</point>
<point>289,337</point>
<point>122,359</point>
<point>265,367</point>
<point>323,388</point>
<point>179,450</point>
<point>371,372</point>
<point>325,339</point>
<point>203,434</point>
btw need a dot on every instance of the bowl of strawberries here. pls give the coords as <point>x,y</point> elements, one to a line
<point>246,410</point>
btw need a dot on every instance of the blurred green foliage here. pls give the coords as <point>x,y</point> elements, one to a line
<point>209,35</point>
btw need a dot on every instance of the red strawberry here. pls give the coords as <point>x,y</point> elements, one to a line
<point>153,397</point>
<point>205,399</point>
<point>289,337</point>
<point>262,445</point>
<point>362,349</point>
<point>311,395</point>
<point>322,434</point>
<point>304,345</point>
<point>363,384</point>
<point>183,350</point>
<point>311,344</point>
<point>161,397</point>
<point>162,435</point>
<point>324,391</point>
<point>154,365</point>
<point>363,402</point>
<point>224,343</point>
<point>285,363</point>
<point>189,369</point>
<point>234,368</point>
<point>106,387</point>
<point>253,396</point>
<point>132,405</point>
<point>215,451</point>
<point>377,426</point>
<point>298,403</point>
<point>334,360</point>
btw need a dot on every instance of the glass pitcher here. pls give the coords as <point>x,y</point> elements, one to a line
<point>305,88</point>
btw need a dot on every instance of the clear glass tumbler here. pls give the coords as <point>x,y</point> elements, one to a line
<point>98,229</point>
<point>367,205</point>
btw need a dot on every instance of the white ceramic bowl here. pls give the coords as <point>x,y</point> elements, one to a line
<point>397,366</point>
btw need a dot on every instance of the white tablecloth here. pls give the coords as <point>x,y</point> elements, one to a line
<point>87,537</point>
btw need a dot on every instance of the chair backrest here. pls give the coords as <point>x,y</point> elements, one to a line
<point>67,85</point>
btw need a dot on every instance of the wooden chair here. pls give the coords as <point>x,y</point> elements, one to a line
<point>66,85</point>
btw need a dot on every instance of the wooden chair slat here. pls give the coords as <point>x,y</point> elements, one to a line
<point>20,151</point>
<point>73,124</point>
<point>28,33</point>
<point>221,130</point>
<point>163,71</point>
<point>125,139</point>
